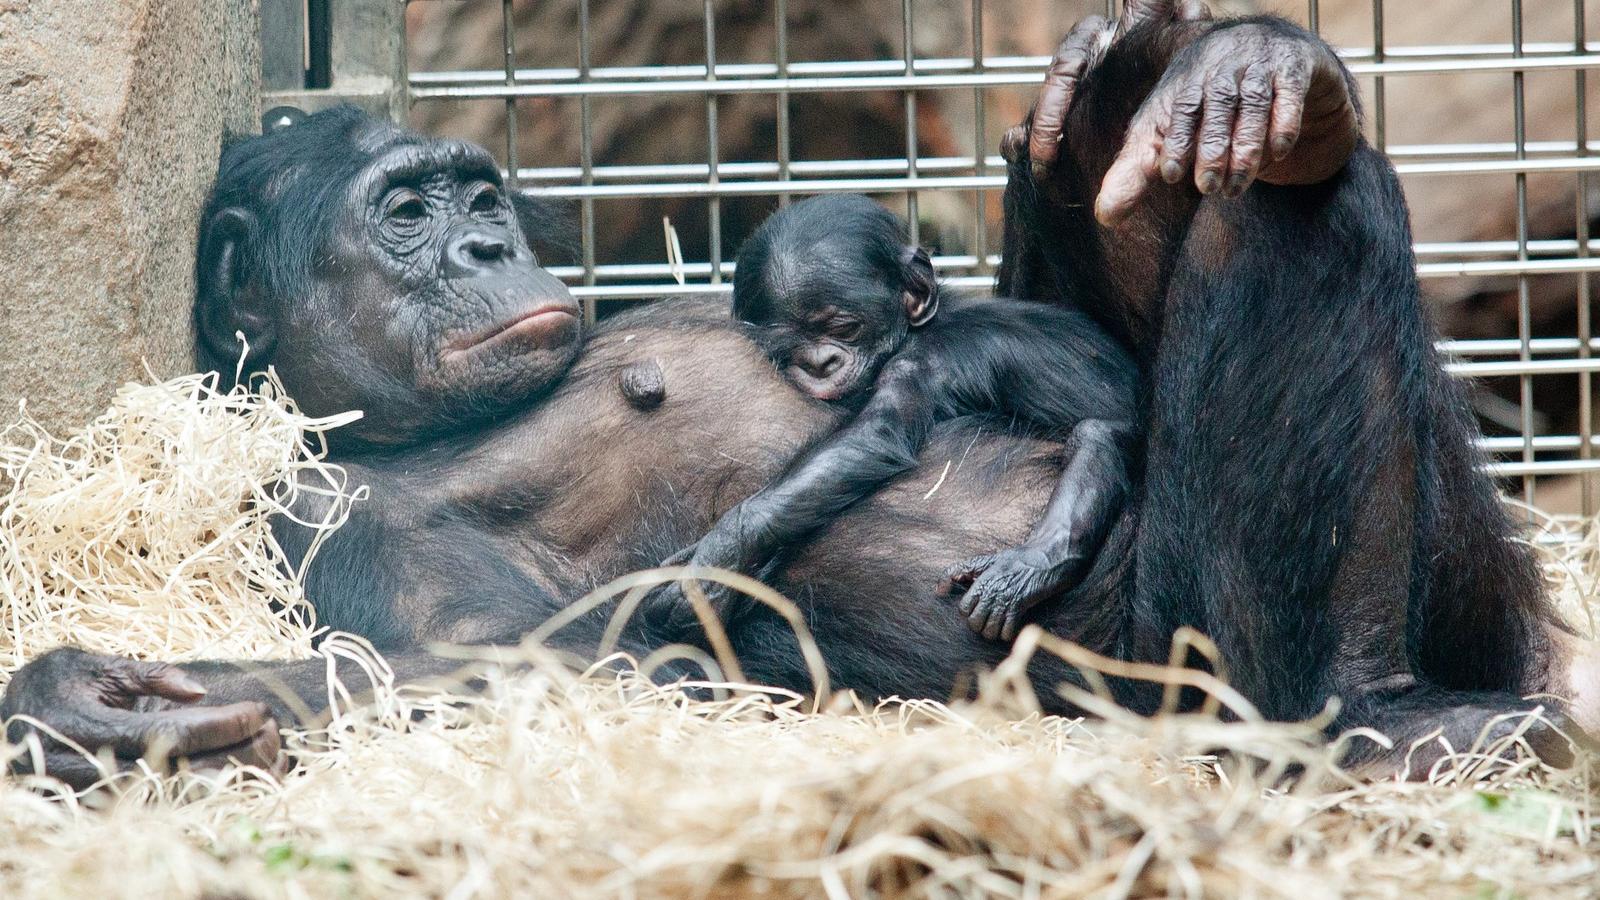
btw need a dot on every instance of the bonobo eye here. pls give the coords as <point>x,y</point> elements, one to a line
<point>486,200</point>
<point>405,205</point>
<point>845,329</point>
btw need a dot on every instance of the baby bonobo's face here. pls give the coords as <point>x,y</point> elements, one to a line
<point>831,346</point>
<point>834,291</point>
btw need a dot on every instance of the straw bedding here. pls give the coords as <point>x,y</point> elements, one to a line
<point>145,534</point>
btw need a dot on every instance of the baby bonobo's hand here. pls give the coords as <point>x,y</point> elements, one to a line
<point>998,589</point>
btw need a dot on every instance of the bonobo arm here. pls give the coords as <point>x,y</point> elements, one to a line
<point>882,441</point>
<point>400,584</point>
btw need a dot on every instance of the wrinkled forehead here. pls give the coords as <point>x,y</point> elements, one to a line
<point>397,157</point>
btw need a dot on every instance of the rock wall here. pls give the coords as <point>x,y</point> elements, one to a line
<point>111,118</point>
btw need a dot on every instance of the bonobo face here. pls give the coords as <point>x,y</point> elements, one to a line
<point>439,285</point>
<point>378,270</point>
<point>829,344</point>
<point>834,292</point>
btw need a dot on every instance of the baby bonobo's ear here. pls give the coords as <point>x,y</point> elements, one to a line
<point>921,292</point>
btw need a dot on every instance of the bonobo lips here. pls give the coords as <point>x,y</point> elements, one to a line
<point>830,388</point>
<point>542,327</point>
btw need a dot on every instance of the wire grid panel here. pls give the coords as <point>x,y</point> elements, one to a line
<point>1525,452</point>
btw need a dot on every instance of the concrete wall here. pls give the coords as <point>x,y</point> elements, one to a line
<point>111,118</point>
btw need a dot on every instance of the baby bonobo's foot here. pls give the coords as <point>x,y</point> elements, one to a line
<point>668,607</point>
<point>998,589</point>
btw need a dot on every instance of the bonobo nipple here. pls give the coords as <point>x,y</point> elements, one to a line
<point>643,384</point>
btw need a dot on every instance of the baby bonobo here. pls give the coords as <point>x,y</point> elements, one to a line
<point>853,315</point>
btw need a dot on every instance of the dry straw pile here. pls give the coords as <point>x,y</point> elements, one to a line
<point>146,534</point>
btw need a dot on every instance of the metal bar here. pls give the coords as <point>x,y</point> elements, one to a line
<point>980,224</point>
<point>898,165</point>
<point>586,158</point>
<point>508,40</point>
<point>1449,58</point>
<point>913,220</point>
<point>1524,299</point>
<point>714,205</point>
<point>1525,368</point>
<point>1585,328</point>
<point>781,14</point>
<point>1380,113</point>
<point>987,78</point>
<point>928,82</point>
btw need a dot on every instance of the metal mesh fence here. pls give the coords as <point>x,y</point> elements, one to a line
<point>1525,448</point>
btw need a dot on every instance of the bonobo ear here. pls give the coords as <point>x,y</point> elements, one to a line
<point>546,226</point>
<point>921,294</point>
<point>229,297</point>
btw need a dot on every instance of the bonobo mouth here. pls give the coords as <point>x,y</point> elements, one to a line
<point>540,328</point>
<point>831,388</point>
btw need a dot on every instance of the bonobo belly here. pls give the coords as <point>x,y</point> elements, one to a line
<point>617,487</point>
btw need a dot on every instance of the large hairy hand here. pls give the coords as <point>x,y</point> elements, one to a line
<point>1245,100</point>
<point>131,710</point>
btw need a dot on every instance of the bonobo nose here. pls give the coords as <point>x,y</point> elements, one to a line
<point>821,362</point>
<point>475,250</point>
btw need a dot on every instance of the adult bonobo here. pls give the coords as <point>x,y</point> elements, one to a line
<point>509,472</point>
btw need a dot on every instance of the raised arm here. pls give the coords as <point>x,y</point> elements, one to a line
<point>1236,100</point>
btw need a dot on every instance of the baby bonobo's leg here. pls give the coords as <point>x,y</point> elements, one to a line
<point>998,589</point>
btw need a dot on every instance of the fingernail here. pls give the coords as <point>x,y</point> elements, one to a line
<point>1281,147</point>
<point>1172,171</point>
<point>1236,186</point>
<point>187,682</point>
<point>1209,182</point>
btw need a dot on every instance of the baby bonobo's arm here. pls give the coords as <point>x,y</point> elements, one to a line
<point>882,441</point>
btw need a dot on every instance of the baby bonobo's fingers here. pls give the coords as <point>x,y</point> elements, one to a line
<point>959,577</point>
<point>1250,130</point>
<point>1071,60</point>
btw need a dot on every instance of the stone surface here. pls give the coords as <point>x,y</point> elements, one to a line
<point>111,117</point>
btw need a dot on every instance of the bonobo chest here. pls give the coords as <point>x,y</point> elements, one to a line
<point>670,417</point>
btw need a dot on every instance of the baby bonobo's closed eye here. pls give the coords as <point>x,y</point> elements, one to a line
<point>921,292</point>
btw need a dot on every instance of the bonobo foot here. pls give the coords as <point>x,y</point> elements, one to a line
<point>668,610</point>
<point>998,589</point>
<point>130,709</point>
<point>1426,724</point>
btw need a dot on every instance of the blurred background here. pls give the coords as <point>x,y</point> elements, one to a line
<point>611,109</point>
